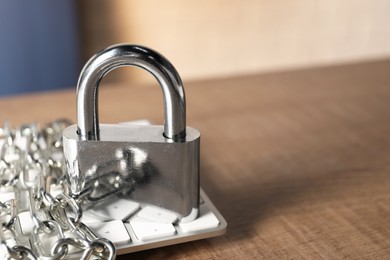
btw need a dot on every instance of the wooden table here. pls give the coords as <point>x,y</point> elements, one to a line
<point>297,162</point>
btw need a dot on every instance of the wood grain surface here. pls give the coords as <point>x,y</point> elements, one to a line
<point>297,162</point>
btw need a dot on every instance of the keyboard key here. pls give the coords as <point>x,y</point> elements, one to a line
<point>89,217</point>
<point>24,241</point>
<point>5,196</point>
<point>10,240</point>
<point>117,209</point>
<point>26,222</point>
<point>115,231</point>
<point>206,220</point>
<point>23,202</point>
<point>31,178</point>
<point>21,143</point>
<point>49,239</point>
<point>157,214</point>
<point>20,240</point>
<point>146,230</point>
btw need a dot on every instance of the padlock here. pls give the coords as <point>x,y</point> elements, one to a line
<point>152,164</point>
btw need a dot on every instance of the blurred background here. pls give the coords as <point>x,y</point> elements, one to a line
<point>45,43</point>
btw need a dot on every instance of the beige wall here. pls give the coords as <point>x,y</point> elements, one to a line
<point>218,38</point>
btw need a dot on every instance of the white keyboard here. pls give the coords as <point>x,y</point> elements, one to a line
<point>134,227</point>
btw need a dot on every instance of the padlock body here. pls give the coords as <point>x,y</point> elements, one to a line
<point>137,162</point>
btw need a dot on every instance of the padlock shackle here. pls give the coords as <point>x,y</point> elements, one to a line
<point>130,55</point>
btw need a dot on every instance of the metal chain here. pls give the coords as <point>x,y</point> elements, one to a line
<point>32,169</point>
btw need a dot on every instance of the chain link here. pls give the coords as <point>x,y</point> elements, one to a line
<point>32,169</point>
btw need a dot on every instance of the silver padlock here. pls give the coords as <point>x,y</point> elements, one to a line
<point>158,165</point>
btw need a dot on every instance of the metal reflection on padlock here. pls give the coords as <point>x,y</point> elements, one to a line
<point>151,164</point>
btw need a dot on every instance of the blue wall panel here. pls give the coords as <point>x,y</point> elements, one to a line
<point>39,45</point>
